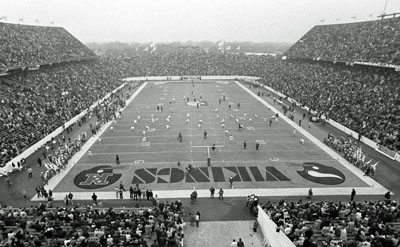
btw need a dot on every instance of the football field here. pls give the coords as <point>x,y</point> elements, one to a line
<point>207,116</point>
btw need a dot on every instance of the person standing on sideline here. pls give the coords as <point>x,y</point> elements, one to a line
<point>257,145</point>
<point>117,159</point>
<point>387,195</point>
<point>310,194</point>
<point>94,198</point>
<point>353,194</point>
<point>131,192</point>
<point>221,194</point>
<point>70,197</point>
<point>234,244</point>
<point>212,192</point>
<point>116,191</point>
<point>143,193</point>
<point>244,144</point>
<point>197,218</point>
<point>30,174</point>
<point>240,243</point>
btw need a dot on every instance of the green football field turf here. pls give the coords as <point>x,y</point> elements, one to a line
<point>153,162</point>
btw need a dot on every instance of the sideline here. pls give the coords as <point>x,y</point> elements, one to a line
<point>373,189</point>
<point>368,180</point>
<point>205,193</point>
<point>54,181</point>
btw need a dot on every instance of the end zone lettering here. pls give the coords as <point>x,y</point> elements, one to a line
<point>207,174</point>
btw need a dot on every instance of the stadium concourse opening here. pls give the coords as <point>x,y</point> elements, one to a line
<point>208,133</point>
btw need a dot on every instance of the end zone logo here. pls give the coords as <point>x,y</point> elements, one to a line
<point>321,174</point>
<point>96,177</point>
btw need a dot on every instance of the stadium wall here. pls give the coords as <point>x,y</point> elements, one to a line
<point>272,237</point>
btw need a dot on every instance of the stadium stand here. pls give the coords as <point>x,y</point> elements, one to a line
<point>364,99</point>
<point>37,102</point>
<point>372,42</point>
<point>361,98</point>
<point>329,223</point>
<point>88,226</point>
<point>25,46</point>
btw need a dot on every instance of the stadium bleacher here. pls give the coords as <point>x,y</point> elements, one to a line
<point>372,42</point>
<point>329,223</point>
<point>88,226</point>
<point>27,45</point>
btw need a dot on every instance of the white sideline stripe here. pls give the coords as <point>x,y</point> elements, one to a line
<point>154,136</point>
<point>225,151</point>
<point>54,181</point>
<point>152,143</point>
<point>368,180</point>
<point>168,143</point>
<point>204,126</point>
<point>164,194</point>
<point>207,146</point>
<point>201,161</point>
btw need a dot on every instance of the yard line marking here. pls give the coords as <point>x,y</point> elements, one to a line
<point>227,151</point>
<point>130,136</point>
<point>169,143</point>
<point>357,172</point>
<point>55,180</point>
<point>147,163</point>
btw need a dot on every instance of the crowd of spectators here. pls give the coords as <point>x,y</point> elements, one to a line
<point>372,42</point>
<point>180,64</point>
<point>352,153</point>
<point>26,45</point>
<point>330,223</point>
<point>76,226</point>
<point>363,99</point>
<point>35,103</point>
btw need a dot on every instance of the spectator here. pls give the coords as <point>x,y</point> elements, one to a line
<point>370,41</point>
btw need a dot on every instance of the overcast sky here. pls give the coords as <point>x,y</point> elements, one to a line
<point>195,20</point>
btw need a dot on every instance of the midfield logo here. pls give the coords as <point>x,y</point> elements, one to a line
<point>207,174</point>
<point>97,177</point>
